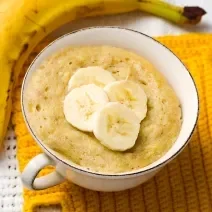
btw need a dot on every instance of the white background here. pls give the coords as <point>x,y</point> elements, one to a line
<point>10,183</point>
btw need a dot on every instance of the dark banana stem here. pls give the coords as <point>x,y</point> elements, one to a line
<point>193,14</point>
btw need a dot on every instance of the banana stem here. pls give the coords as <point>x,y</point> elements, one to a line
<point>176,14</point>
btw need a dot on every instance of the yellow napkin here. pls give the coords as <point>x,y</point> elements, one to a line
<point>183,185</point>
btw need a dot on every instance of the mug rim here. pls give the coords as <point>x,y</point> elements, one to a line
<point>134,173</point>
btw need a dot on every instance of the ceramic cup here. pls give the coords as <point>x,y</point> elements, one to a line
<point>164,60</point>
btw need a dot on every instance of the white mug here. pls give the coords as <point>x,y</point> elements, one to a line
<point>164,60</point>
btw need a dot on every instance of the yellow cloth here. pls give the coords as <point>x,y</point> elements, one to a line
<point>183,185</point>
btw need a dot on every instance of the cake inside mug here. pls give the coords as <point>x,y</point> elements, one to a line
<point>104,108</point>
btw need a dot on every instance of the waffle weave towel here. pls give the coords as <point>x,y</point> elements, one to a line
<point>184,185</point>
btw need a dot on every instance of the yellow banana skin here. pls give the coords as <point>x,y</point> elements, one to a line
<point>24,23</point>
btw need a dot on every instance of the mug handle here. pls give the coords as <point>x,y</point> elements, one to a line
<point>32,169</point>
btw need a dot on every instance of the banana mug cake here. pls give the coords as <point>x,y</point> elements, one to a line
<point>104,108</point>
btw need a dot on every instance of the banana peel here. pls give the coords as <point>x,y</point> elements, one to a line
<point>25,23</point>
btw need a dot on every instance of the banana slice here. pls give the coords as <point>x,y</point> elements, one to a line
<point>116,126</point>
<point>90,75</point>
<point>130,94</point>
<point>81,104</point>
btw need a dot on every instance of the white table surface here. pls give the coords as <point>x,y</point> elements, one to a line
<point>10,184</point>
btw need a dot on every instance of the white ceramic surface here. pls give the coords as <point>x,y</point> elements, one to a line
<point>165,61</point>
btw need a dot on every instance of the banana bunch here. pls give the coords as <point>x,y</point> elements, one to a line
<point>25,23</point>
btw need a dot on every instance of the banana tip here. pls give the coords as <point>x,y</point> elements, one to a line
<point>193,14</point>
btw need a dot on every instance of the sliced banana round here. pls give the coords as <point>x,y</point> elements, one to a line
<point>90,75</point>
<point>130,94</point>
<point>116,126</point>
<point>80,105</point>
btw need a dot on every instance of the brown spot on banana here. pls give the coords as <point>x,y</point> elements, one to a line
<point>7,100</point>
<point>11,81</point>
<point>36,7</point>
<point>33,33</point>
<point>84,11</point>
<point>25,47</point>
<point>35,11</point>
<point>29,19</point>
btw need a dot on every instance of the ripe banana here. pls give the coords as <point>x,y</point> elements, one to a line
<point>89,75</point>
<point>25,23</point>
<point>116,126</point>
<point>80,106</point>
<point>130,94</point>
